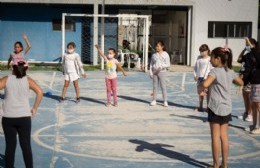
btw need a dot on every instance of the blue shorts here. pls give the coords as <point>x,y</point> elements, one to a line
<point>200,80</point>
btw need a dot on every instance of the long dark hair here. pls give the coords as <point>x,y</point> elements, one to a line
<point>225,54</point>
<point>161,44</point>
<point>20,70</point>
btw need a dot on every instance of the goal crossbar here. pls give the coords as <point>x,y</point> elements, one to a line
<point>145,34</point>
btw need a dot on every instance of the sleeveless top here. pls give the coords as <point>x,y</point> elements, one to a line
<point>16,101</point>
<point>18,55</point>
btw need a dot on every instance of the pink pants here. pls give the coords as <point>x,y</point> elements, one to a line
<point>111,86</point>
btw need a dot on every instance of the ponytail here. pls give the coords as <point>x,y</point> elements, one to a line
<point>225,54</point>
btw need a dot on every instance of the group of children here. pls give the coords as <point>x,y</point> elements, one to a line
<point>212,71</point>
<point>214,76</point>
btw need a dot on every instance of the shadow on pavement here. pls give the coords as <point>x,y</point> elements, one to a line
<point>147,102</point>
<point>133,99</point>
<point>181,105</point>
<point>159,149</point>
<point>237,126</point>
<point>92,100</point>
<point>193,117</point>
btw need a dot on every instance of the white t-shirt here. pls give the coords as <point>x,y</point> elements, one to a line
<point>72,63</point>
<point>159,61</point>
<point>202,67</point>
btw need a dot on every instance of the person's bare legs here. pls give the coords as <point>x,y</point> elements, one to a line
<point>215,143</point>
<point>247,102</point>
<point>254,114</point>
<point>76,86</point>
<point>224,144</point>
<point>65,87</point>
<point>201,98</point>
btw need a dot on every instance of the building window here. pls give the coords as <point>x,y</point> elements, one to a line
<point>69,25</point>
<point>229,29</point>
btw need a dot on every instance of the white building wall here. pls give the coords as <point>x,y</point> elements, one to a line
<point>221,10</point>
<point>202,12</point>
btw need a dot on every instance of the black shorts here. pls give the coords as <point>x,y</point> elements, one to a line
<point>212,117</point>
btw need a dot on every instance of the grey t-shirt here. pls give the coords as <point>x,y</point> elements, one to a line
<point>16,101</point>
<point>219,91</point>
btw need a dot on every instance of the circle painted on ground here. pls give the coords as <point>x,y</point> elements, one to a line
<point>123,146</point>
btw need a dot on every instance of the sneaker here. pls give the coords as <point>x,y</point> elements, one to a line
<point>153,103</point>
<point>165,104</point>
<point>250,128</point>
<point>115,104</point>
<point>243,116</point>
<point>249,118</point>
<point>255,131</point>
<point>77,100</point>
<point>108,104</point>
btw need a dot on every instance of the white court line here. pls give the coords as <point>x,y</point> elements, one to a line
<point>52,79</point>
<point>36,137</point>
<point>55,147</point>
<point>183,82</point>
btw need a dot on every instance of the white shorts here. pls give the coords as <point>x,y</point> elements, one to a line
<point>71,76</point>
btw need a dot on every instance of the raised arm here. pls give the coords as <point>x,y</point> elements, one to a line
<point>38,91</point>
<point>239,60</point>
<point>248,42</point>
<point>100,53</point>
<point>27,43</point>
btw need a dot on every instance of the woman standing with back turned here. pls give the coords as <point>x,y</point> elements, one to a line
<point>17,112</point>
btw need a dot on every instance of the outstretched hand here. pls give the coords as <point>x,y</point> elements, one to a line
<point>33,111</point>
<point>97,46</point>
<point>84,75</point>
<point>124,73</point>
<point>25,36</point>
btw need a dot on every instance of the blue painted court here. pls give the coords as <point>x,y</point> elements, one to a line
<point>132,135</point>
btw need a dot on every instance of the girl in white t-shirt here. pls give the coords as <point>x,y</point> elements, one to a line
<point>201,70</point>
<point>111,73</point>
<point>18,50</point>
<point>72,69</point>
